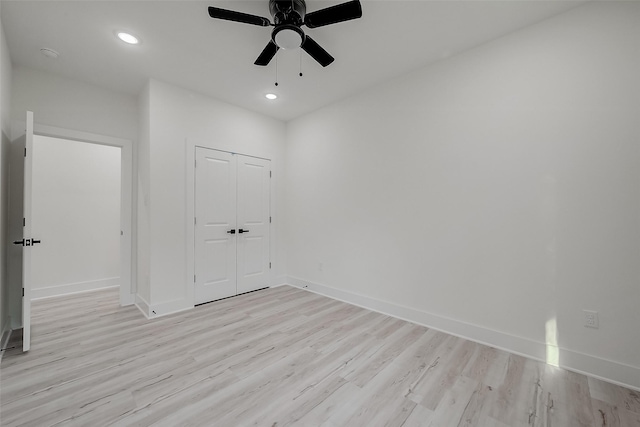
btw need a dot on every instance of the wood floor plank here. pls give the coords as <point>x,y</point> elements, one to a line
<point>319,407</point>
<point>618,396</point>
<point>419,417</point>
<point>487,365</point>
<point>280,357</point>
<point>306,384</point>
<point>385,397</point>
<point>394,345</point>
<point>519,399</point>
<point>456,407</point>
<point>566,398</point>
<point>604,414</point>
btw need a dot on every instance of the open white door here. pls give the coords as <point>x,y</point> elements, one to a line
<point>27,240</point>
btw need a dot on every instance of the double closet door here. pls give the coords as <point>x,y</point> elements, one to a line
<point>232,208</point>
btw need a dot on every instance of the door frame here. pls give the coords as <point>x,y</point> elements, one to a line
<point>127,284</point>
<point>190,232</point>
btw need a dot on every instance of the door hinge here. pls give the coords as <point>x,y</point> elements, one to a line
<point>195,221</point>
<point>269,220</point>
<point>270,174</point>
<point>22,291</point>
<point>195,163</point>
<point>25,151</point>
<point>24,222</point>
<point>194,278</point>
<point>269,265</point>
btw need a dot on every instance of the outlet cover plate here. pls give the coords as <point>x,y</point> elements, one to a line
<point>591,319</point>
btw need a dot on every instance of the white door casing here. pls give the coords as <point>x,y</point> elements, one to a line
<point>232,224</point>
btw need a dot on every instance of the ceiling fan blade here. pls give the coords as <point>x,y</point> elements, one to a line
<point>316,51</point>
<point>334,14</point>
<point>230,15</point>
<point>267,54</point>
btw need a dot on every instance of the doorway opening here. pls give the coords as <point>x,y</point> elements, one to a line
<point>76,193</point>
<point>125,233</point>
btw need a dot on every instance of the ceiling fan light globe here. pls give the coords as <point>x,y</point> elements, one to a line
<point>288,38</point>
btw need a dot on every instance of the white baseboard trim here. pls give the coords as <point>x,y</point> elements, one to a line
<point>74,288</point>
<point>152,311</point>
<point>169,307</point>
<point>606,370</point>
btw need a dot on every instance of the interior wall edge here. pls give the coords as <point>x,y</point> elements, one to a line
<point>279,281</point>
<point>603,369</point>
<point>142,305</point>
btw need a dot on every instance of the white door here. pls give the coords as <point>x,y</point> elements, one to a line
<point>27,240</point>
<point>215,225</point>
<point>232,199</point>
<point>253,223</point>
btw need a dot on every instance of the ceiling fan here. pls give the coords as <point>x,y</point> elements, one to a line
<point>288,17</point>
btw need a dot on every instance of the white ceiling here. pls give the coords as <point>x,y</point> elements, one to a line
<point>182,45</point>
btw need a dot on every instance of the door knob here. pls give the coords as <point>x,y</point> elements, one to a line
<point>231,231</point>
<point>27,242</point>
<point>243,231</point>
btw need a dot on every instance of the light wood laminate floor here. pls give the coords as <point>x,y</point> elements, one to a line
<point>279,357</point>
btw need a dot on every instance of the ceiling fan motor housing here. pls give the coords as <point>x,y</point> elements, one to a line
<point>288,11</point>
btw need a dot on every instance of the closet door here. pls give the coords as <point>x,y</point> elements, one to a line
<point>253,216</point>
<point>215,209</point>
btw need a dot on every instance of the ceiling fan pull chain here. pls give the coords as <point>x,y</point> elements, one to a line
<point>276,68</point>
<point>300,62</point>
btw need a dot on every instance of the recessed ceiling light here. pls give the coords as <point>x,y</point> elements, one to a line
<point>127,38</point>
<point>49,53</point>
<point>271,96</point>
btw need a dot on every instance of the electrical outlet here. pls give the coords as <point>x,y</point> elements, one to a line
<point>591,319</point>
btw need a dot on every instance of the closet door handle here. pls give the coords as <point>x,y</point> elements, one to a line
<point>243,231</point>
<point>231,231</point>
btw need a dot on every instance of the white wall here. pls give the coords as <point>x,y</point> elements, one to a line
<point>5,143</point>
<point>71,104</point>
<point>179,117</point>
<point>76,215</point>
<point>495,193</point>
